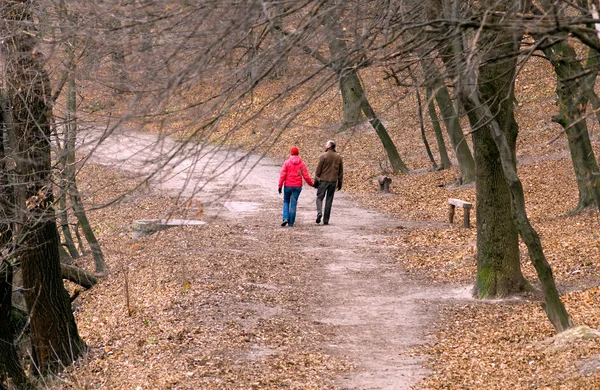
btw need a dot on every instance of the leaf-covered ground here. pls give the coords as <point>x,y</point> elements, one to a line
<point>224,306</point>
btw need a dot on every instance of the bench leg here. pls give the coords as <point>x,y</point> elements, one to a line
<point>466,220</point>
<point>451,213</point>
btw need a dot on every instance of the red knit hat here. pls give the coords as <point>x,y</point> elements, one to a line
<point>294,151</point>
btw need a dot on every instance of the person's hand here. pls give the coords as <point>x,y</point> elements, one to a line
<point>279,189</point>
<point>316,185</point>
<point>339,187</point>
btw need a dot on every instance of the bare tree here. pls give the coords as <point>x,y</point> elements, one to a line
<point>486,86</point>
<point>55,342</point>
<point>575,86</point>
<point>196,76</point>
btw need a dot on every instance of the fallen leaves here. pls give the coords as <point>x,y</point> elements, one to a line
<point>206,304</point>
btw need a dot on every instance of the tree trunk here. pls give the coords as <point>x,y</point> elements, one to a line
<point>118,57</point>
<point>77,275</point>
<point>572,94</point>
<point>589,81</point>
<point>450,118</point>
<point>352,99</point>
<point>349,81</point>
<point>71,183</point>
<point>555,310</point>
<point>55,342</point>
<point>498,261</point>
<point>497,46</point>
<point>10,365</point>
<point>444,159</point>
<point>397,163</point>
<point>353,95</point>
<point>64,219</point>
<point>421,122</point>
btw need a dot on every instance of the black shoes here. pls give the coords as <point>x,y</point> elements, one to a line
<point>284,222</point>
<point>319,218</point>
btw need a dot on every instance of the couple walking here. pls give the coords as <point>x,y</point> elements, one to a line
<point>328,178</point>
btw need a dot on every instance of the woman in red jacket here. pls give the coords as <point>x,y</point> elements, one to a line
<point>291,175</point>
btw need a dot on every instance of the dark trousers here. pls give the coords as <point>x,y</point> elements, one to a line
<point>325,190</point>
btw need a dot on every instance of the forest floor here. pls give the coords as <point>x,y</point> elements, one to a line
<point>379,299</point>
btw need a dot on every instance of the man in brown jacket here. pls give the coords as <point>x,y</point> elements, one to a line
<point>329,176</point>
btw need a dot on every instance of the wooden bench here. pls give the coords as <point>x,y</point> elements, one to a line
<point>384,183</point>
<point>452,204</point>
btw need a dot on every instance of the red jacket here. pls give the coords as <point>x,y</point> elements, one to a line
<point>292,172</point>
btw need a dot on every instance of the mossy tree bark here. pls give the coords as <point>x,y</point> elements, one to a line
<point>493,111</point>
<point>498,262</point>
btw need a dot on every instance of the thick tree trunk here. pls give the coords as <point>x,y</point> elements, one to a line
<point>55,341</point>
<point>444,159</point>
<point>352,99</point>
<point>497,47</point>
<point>555,310</point>
<point>498,261</point>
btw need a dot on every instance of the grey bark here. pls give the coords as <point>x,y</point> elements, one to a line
<point>470,93</point>
<point>71,183</point>
<point>354,98</point>
<point>64,222</point>
<point>422,125</point>
<point>498,262</point>
<point>444,159</point>
<point>77,275</point>
<point>459,143</point>
<point>573,92</point>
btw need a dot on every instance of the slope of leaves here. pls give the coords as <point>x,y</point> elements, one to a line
<point>212,307</point>
<point>477,344</point>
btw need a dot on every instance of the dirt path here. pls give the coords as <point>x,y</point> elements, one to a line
<point>375,313</point>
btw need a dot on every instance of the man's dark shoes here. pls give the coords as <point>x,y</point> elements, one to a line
<point>325,223</point>
<point>319,217</point>
<point>284,222</point>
